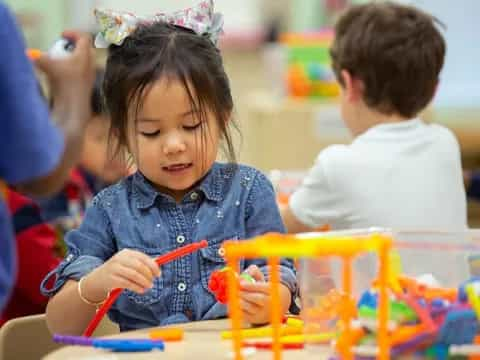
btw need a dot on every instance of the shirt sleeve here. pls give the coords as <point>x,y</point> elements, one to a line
<point>263,216</point>
<point>315,203</point>
<point>89,246</point>
<point>31,145</point>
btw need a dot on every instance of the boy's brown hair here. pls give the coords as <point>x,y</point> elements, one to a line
<point>395,50</point>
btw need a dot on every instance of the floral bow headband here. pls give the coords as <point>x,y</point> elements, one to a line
<point>116,26</point>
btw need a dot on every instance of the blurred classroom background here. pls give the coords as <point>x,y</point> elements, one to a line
<point>276,54</point>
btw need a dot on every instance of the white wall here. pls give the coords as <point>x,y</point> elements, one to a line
<point>460,79</point>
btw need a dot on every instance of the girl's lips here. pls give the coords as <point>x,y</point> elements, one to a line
<point>177,167</point>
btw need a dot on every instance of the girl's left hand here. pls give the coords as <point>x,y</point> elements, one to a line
<point>255,297</point>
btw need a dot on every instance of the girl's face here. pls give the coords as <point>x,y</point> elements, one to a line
<point>171,145</point>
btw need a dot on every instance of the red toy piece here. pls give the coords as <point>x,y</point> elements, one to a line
<point>218,283</point>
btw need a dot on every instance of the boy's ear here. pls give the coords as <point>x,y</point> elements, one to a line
<point>353,87</point>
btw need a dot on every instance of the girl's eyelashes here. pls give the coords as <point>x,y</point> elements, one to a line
<point>150,134</point>
<point>192,127</point>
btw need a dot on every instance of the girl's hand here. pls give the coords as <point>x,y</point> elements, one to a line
<point>255,298</point>
<point>128,269</point>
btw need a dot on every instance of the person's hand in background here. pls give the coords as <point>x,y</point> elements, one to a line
<point>70,80</point>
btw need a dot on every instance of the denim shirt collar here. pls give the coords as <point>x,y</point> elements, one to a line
<point>213,186</point>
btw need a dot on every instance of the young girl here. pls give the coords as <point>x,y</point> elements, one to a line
<point>170,102</point>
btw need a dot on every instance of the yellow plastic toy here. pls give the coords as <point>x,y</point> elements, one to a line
<point>274,246</point>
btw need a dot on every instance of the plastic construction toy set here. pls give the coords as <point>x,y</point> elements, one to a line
<point>421,301</point>
<point>424,320</point>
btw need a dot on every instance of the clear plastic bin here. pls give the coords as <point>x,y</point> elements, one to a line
<point>433,267</point>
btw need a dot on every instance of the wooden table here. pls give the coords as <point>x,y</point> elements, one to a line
<point>201,342</point>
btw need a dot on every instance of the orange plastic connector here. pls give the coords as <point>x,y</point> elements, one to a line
<point>168,334</point>
<point>427,292</point>
<point>34,54</point>
<point>476,341</point>
<point>405,333</point>
<point>328,307</point>
<point>354,337</point>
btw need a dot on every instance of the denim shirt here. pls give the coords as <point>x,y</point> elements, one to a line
<point>231,202</point>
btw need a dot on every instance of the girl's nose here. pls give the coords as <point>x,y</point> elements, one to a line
<point>174,144</point>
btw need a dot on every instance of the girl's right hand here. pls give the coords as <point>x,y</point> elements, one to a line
<point>128,269</point>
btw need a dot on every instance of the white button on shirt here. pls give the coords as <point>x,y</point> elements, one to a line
<point>180,239</point>
<point>194,196</point>
<point>181,286</point>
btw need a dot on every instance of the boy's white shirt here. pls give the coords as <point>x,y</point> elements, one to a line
<point>404,175</point>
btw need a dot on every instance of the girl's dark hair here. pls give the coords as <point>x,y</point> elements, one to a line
<point>156,50</point>
<point>96,100</point>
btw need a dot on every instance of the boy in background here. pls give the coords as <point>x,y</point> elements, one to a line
<point>399,171</point>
